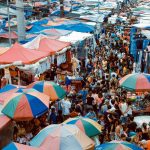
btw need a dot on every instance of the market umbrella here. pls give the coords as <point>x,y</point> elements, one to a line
<point>7,88</point>
<point>88,126</point>
<point>4,120</point>
<point>62,137</point>
<point>26,105</point>
<point>53,90</point>
<point>138,82</point>
<point>8,92</point>
<point>118,145</point>
<point>17,146</point>
<point>142,119</point>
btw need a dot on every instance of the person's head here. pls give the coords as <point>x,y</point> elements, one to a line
<point>109,106</point>
<point>112,101</point>
<point>139,131</point>
<point>53,110</point>
<point>101,117</point>
<point>91,109</point>
<point>144,125</point>
<point>90,93</point>
<point>123,137</point>
<point>118,122</point>
<point>131,118</point>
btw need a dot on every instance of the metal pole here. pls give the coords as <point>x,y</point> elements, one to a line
<point>9,22</point>
<point>20,20</point>
<point>61,8</point>
<point>71,5</point>
<point>98,6</point>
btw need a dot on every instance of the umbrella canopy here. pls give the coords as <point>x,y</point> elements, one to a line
<point>62,137</point>
<point>88,126</point>
<point>142,119</point>
<point>4,120</point>
<point>17,146</point>
<point>4,95</point>
<point>118,145</point>
<point>136,82</point>
<point>7,88</point>
<point>26,105</point>
<point>53,90</point>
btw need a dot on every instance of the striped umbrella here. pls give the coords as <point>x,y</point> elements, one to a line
<point>88,126</point>
<point>62,137</point>
<point>4,120</point>
<point>17,146</point>
<point>26,105</point>
<point>7,88</point>
<point>5,95</point>
<point>138,82</point>
<point>118,145</point>
<point>51,89</point>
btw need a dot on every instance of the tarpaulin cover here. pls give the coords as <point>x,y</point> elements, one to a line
<point>79,27</point>
<point>43,43</point>
<point>6,35</point>
<point>75,37</point>
<point>38,28</point>
<point>18,53</point>
<point>40,22</point>
<point>56,32</point>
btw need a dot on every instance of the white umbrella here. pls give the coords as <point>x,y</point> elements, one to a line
<point>142,119</point>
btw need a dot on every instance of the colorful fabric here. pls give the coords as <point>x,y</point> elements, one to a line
<point>26,105</point>
<point>53,90</point>
<point>17,146</point>
<point>118,145</point>
<point>4,120</point>
<point>62,137</point>
<point>88,126</point>
<point>136,82</point>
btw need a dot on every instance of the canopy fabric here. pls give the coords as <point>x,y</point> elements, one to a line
<point>7,88</point>
<point>18,53</point>
<point>13,35</point>
<point>62,136</point>
<point>3,49</point>
<point>79,27</point>
<point>75,37</point>
<point>26,105</point>
<point>142,119</point>
<point>118,145</point>
<point>43,43</point>
<point>146,33</point>
<point>90,127</point>
<point>56,32</point>
<point>142,26</point>
<point>4,120</point>
<point>17,146</point>
<point>53,90</point>
<point>138,82</point>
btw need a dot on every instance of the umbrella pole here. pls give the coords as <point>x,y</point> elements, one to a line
<point>19,79</point>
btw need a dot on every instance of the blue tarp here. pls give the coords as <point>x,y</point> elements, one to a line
<point>79,27</point>
<point>27,40</point>
<point>41,22</point>
<point>57,13</point>
<point>37,29</point>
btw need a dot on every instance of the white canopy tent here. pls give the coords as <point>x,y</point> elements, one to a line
<point>75,37</point>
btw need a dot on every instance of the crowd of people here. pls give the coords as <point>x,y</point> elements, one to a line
<point>100,98</point>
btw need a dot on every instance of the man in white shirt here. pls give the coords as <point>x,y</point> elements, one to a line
<point>66,105</point>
